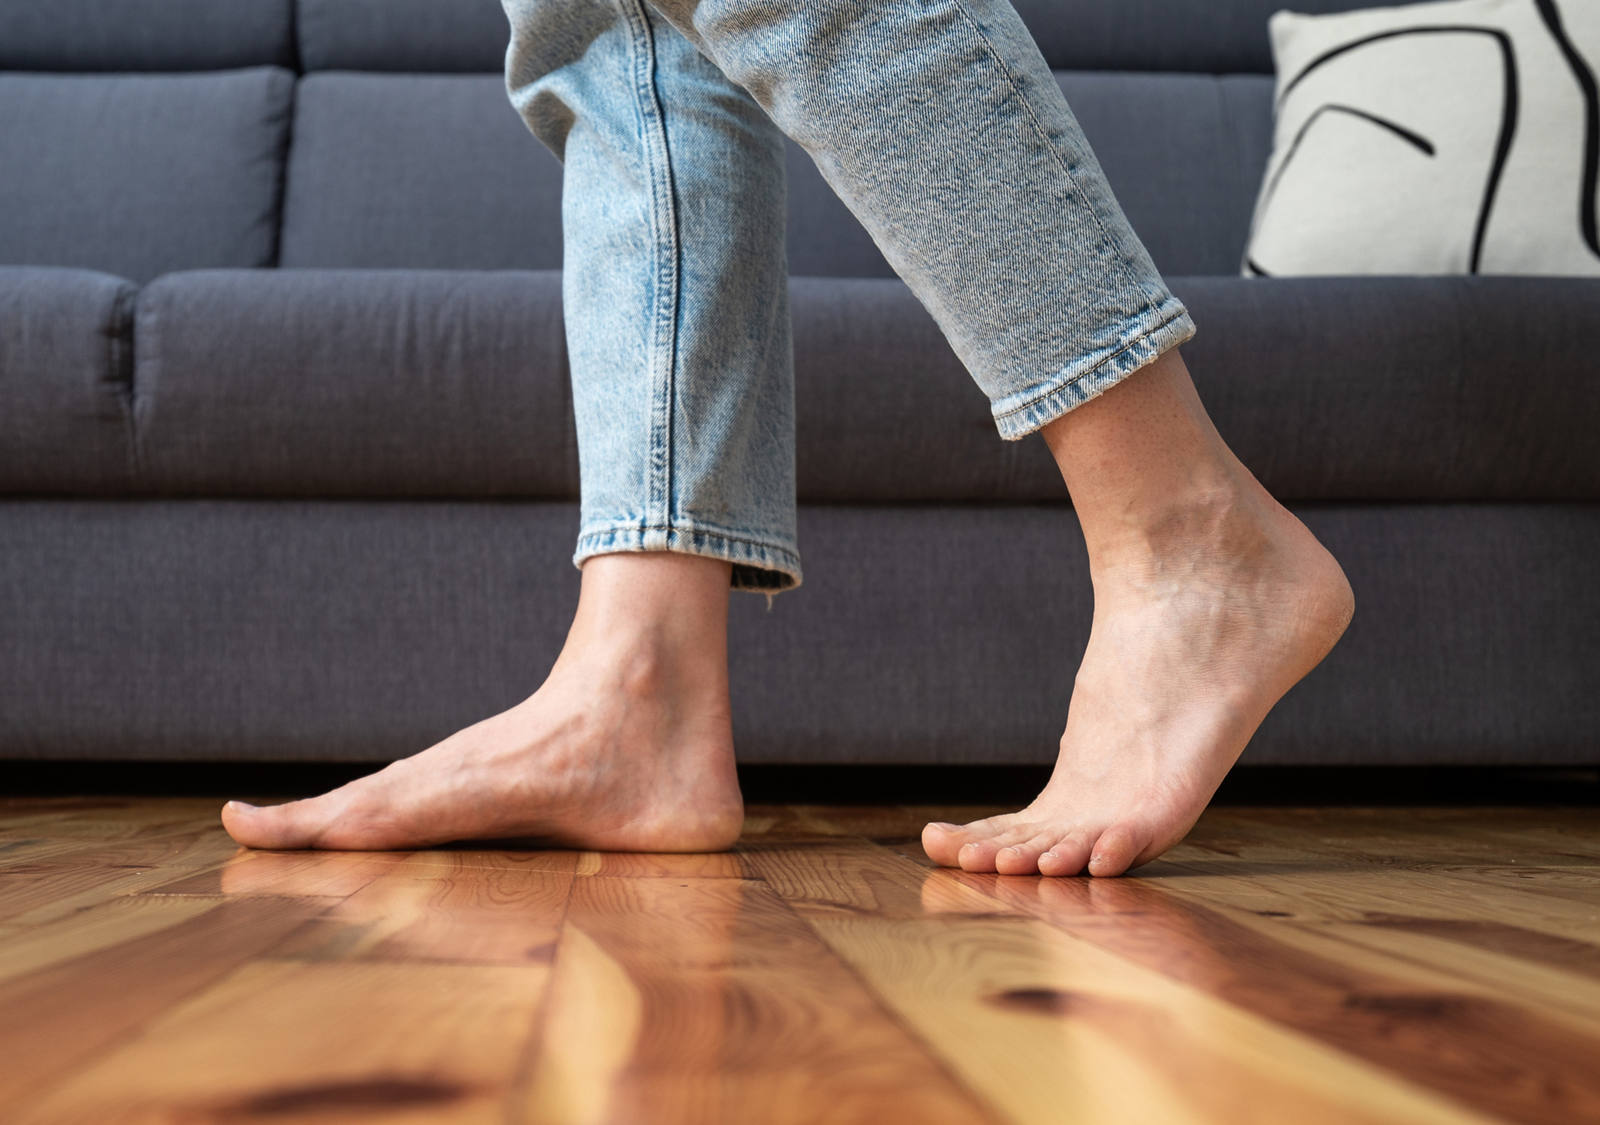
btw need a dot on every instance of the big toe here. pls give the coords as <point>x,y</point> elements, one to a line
<point>942,842</point>
<point>277,827</point>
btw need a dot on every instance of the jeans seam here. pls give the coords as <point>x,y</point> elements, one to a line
<point>1038,128</point>
<point>1053,388</point>
<point>664,280</point>
<point>702,529</point>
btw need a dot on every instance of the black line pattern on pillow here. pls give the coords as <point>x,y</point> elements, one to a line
<point>1508,117</point>
<point>1589,189</point>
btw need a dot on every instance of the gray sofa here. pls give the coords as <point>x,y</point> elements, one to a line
<point>287,467</point>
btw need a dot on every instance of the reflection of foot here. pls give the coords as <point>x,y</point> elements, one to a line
<point>1192,644</point>
<point>627,746</point>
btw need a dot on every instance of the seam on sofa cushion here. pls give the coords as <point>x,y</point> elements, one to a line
<point>119,362</point>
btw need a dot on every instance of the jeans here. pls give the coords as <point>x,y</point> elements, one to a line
<point>937,122</point>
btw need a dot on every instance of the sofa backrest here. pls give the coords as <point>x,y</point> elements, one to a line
<point>143,136</point>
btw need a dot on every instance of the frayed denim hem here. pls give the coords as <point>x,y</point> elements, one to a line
<point>759,567</point>
<point>1074,386</point>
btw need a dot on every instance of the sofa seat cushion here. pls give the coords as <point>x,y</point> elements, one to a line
<point>1339,388</point>
<point>455,383</point>
<point>65,339</point>
<point>139,174</point>
<point>354,382</point>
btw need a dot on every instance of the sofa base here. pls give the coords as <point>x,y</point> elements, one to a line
<point>342,630</point>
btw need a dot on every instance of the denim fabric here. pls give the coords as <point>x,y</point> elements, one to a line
<point>938,124</point>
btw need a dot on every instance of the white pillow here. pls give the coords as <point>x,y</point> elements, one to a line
<point>1459,136</point>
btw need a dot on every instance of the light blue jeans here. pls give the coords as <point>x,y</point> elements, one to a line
<point>937,122</point>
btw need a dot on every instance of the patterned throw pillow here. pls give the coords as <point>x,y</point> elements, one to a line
<point>1458,136</point>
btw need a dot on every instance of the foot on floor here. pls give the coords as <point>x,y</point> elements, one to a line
<point>627,746</point>
<point>1191,645</point>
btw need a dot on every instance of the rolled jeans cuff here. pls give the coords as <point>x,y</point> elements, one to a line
<point>760,566</point>
<point>1155,331</point>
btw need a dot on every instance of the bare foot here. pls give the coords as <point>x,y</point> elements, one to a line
<point>627,746</point>
<point>1211,601</point>
<point>1193,642</point>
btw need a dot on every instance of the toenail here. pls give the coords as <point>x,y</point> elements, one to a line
<point>946,825</point>
<point>239,805</point>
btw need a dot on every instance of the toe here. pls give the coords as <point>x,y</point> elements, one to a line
<point>942,841</point>
<point>978,855</point>
<point>1114,852</point>
<point>1023,858</point>
<point>297,824</point>
<point>1067,856</point>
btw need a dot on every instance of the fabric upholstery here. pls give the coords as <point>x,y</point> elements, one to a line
<point>418,171</point>
<point>439,172</point>
<point>454,383</point>
<point>350,382</point>
<point>1405,388</point>
<point>402,35</point>
<point>137,175</point>
<point>163,35</point>
<point>1201,36</point>
<point>1132,35</point>
<point>65,358</point>
<point>367,630</point>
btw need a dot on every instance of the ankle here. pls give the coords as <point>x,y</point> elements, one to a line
<point>649,623</point>
<point>1219,518</point>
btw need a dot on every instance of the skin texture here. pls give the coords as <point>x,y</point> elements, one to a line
<point>1211,601</point>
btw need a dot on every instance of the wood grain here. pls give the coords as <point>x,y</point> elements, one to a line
<point>1282,964</point>
<point>718,1004</point>
<point>343,1042</point>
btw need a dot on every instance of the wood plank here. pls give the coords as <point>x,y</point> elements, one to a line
<point>426,910</point>
<point>282,1040</point>
<point>699,1000</point>
<point>984,1030</point>
<point>60,1016</point>
<point>307,874</point>
<point>849,877</point>
<point>708,865</point>
<point>179,849</point>
<point>26,950</point>
<point>1053,1029</point>
<point>31,895</point>
<point>1440,1032</point>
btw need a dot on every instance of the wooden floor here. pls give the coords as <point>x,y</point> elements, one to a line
<point>1284,965</point>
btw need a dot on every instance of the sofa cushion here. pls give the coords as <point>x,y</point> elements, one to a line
<point>65,339</point>
<point>145,34</point>
<point>380,383</point>
<point>1403,388</point>
<point>421,171</point>
<point>1175,35</point>
<point>454,383</point>
<point>137,175</point>
<point>402,35</point>
<point>1145,35</point>
<point>1200,139</point>
<point>439,172</point>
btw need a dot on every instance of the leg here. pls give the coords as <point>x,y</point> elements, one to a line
<point>675,295</point>
<point>942,128</point>
<point>1211,601</point>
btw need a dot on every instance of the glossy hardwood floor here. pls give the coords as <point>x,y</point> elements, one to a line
<point>1284,965</point>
